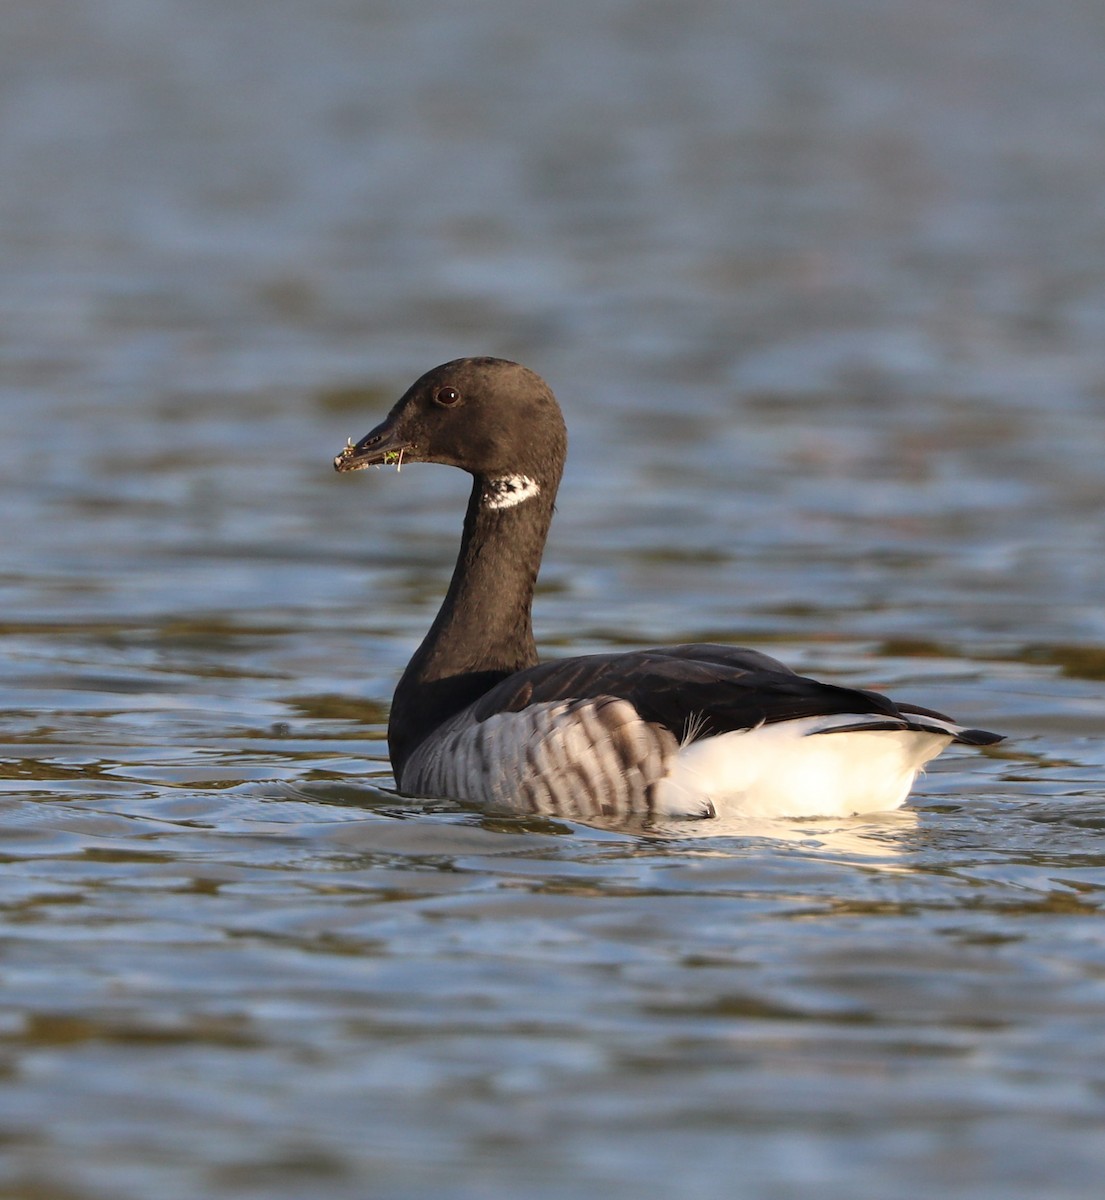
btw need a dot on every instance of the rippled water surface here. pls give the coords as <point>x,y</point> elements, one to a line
<point>822,290</point>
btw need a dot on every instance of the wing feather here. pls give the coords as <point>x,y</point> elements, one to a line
<point>725,688</point>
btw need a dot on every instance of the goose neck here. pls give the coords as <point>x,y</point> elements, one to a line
<point>484,629</point>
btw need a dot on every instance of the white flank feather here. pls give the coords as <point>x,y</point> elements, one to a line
<point>582,759</point>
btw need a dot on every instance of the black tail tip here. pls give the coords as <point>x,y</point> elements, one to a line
<point>978,737</point>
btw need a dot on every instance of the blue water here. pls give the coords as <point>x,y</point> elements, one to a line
<point>822,292</point>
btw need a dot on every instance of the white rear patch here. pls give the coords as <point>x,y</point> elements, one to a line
<point>509,490</point>
<point>791,769</point>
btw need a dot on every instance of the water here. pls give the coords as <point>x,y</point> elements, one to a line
<point>821,289</point>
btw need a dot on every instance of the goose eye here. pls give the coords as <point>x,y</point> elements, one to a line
<point>447,396</point>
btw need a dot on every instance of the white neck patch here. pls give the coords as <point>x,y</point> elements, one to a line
<point>509,490</point>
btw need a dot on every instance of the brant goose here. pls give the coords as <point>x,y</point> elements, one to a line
<point>692,731</point>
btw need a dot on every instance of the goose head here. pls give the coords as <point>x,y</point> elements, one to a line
<point>493,418</point>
